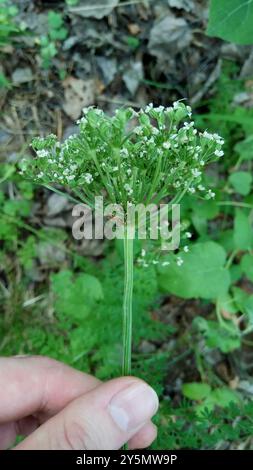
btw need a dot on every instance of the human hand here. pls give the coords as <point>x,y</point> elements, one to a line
<point>60,408</point>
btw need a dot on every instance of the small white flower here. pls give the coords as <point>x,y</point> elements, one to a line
<point>186,249</point>
<point>219,153</point>
<point>210,194</point>
<point>159,109</point>
<point>189,110</point>
<point>207,135</point>
<point>42,153</point>
<point>88,178</point>
<point>154,130</point>
<point>128,188</point>
<point>179,261</point>
<point>149,107</point>
<point>138,130</point>
<point>165,263</point>
<point>188,234</point>
<point>166,145</point>
<point>143,252</point>
<point>218,139</point>
<point>124,152</point>
<point>188,125</point>
<point>155,261</point>
<point>191,190</point>
<point>196,173</point>
<point>202,163</point>
<point>86,110</point>
<point>201,187</point>
<point>176,104</point>
<point>83,120</point>
<point>70,177</point>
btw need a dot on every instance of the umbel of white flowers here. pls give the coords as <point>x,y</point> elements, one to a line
<point>135,157</point>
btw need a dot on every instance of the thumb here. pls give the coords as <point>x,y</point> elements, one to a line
<point>104,418</point>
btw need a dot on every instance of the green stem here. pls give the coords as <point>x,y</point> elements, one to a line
<point>127,303</point>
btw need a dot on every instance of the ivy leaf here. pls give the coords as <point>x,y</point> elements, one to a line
<point>196,391</point>
<point>231,20</point>
<point>241,182</point>
<point>202,274</point>
<point>243,232</point>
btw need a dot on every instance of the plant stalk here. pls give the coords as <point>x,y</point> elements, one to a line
<point>127,303</point>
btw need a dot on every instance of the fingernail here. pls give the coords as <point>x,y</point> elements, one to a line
<point>133,406</point>
<point>21,356</point>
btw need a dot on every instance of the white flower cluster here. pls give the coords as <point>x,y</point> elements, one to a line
<point>147,259</point>
<point>133,156</point>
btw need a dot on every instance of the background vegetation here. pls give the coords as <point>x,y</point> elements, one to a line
<point>193,324</point>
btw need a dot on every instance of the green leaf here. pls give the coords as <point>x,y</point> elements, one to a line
<point>54,20</point>
<point>248,307</point>
<point>202,274</point>
<point>224,396</point>
<point>58,34</point>
<point>226,303</point>
<point>244,302</point>
<point>241,181</point>
<point>247,266</point>
<point>17,207</point>
<point>243,231</point>
<point>27,252</point>
<point>217,336</point>
<point>75,297</point>
<point>235,273</point>
<point>231,20</point>
<point>226,239</point>
<point>13,10</point>
<point>196,391</point>
<point>4,82</point>
<point>245,148</point>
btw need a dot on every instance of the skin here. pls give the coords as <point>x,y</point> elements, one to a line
<point>58,407</point>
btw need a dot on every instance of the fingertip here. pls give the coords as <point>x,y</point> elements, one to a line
<point>144,437</point>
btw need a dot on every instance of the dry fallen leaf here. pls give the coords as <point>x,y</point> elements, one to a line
<point>169,36</point>
<point>78,94</point>
<point>96,9</point>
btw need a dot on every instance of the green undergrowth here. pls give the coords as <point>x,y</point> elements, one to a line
<point>69,307</point>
